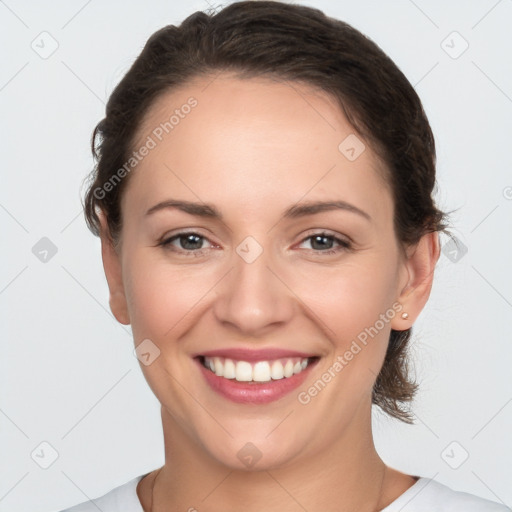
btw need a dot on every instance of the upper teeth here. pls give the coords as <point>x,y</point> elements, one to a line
<point>260,371</point>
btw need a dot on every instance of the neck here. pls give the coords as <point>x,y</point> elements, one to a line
<point>346,476</point>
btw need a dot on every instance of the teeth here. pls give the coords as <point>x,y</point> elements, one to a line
<point>260,371</point>
<point>243,371</point>
<point>229,369</point>
<point>277,371</point>
<point>288,368</point>
<point>219,370</point>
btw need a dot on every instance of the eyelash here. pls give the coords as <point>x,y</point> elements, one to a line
<point>344,245</point>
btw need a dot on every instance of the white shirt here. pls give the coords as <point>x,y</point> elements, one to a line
<point>426,495</point>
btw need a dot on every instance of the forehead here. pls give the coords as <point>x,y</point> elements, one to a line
<point>252,139</point>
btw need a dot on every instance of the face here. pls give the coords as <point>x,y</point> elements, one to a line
<point>228,259</point>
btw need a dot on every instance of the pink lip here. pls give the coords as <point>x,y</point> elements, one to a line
<point>253,392</point>
<point>251,355</point>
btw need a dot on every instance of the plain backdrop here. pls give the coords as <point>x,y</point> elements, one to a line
<point>76,415</point>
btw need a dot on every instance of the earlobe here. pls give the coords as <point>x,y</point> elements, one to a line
<point>114,275</point>
<point>419,265</point>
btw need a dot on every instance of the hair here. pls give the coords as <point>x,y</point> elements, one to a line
<point>301,45</point>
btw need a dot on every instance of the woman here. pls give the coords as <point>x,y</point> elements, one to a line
<point>263,194</point>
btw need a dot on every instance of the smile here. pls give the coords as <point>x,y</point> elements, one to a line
<point>254,376</point>
<point>260,371</point>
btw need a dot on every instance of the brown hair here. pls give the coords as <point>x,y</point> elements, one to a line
<point>299,44</point>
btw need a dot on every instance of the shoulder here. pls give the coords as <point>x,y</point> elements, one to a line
<point>428,495</point>
<point>120,499</point>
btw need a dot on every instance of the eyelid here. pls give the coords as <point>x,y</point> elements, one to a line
<point>185,228</point>
<point>327,232</point>
<point>181,232</point>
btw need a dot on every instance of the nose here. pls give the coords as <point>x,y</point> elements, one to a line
<point>253,298</point>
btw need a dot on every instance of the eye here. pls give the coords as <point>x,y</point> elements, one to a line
<point>185,242</point>
<point>191,243</point>
<point>326,243</point>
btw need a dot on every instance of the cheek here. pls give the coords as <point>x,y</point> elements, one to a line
<point>164,303</point>
<point>353,305</point>
<point>162,297</point>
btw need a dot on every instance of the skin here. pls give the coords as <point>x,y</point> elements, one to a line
<point>252,148</point>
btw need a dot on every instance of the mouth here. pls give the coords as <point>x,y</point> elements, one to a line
<point>259,371</point>
<point>253,379</point>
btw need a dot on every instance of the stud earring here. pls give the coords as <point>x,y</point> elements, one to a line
<point>405,316</point>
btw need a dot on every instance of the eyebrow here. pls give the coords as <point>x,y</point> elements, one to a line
<point>295,211</point>
<point>310,208</point>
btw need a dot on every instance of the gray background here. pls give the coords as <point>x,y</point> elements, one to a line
<point>69,376</point>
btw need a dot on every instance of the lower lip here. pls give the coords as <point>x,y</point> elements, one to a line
<point>254,392</point>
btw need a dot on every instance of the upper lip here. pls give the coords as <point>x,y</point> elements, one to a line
<point>244,354</point>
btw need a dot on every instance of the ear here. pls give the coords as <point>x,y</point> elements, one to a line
<point>113,272</point>
<point>419,265</point>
